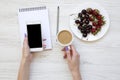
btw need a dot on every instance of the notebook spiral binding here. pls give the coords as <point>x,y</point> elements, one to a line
<point>32,9</point>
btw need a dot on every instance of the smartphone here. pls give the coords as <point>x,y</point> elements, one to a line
<point>34,33</point>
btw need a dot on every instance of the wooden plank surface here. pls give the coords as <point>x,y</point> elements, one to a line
<point>100,60</point>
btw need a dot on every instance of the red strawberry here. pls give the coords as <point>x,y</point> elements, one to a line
<point>91,18</point>
<point>94,23</point>
<point>99,17</point>
<point>100,23</point>
<point>98,27</point>
<point>95,13</point>
<point>89,10</point>
<point>93,30</point>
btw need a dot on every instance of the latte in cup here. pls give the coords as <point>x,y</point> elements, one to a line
<point>65,37</point>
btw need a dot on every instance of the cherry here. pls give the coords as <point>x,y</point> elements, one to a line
<point>79,27</point>
<point>82,31</point>
<point>87,16</point>
<point>88,31</point>
<point>80,15</point>
<point>84,34</point>
<point>82,18</point>
<point>84,11</point>
<point>77,21</point>
<point>89,26</point>
<point>90,21</point>
<point>81,23</point>
<point>86,21</point>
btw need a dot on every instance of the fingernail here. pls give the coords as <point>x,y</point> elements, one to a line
<point>25,35</point>
<point>66,48</point>
<point>44,39</point>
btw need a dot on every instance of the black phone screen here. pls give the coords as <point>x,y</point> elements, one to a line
<point>34,35</point>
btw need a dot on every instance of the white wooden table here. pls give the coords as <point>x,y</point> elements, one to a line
<point>100,60</point>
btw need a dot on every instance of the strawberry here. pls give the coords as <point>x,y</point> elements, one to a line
<point>89,21</point>
<point>89,10</point>
<point>94,23</point>
<point>100,22</point>
<point>95,13</point>
<point>97,27</point>
<point>91,18</point>
<point>93,30</point>
<point>94,33</point>
<point>99,17</point>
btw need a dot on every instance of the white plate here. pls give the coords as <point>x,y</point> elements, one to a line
<point>90,37</point>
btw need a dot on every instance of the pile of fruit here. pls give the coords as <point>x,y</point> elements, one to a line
<point>89,21</point>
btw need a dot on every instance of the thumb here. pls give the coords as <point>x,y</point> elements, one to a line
<point>68,53</point>
<point>25,41</point>
<point>25,44</point>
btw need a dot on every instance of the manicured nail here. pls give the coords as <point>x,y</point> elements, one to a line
<point>25,35</point>
<point>44,39</point>
<point>66,48</point>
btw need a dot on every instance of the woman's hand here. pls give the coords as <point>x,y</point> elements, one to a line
<point>73,59</point>
<point>25,62</point>
<point>26,55</point>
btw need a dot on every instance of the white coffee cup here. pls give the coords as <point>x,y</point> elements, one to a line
<point>65,37</point>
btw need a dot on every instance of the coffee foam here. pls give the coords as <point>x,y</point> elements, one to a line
<point>65,37</point>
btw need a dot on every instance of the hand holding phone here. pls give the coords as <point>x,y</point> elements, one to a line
<point>34,32</point>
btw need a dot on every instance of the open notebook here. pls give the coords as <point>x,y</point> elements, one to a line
<point>35,14</point>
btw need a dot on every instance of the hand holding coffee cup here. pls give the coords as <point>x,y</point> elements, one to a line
<point>64,38</point>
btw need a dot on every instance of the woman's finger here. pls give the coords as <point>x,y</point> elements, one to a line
<point>73,50</point>
<point>44,46</point>
<point>26,41</point>
<point>63,49</point>
<point>68,53</point>
<point>25,44</point>
<point>65,55</point>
